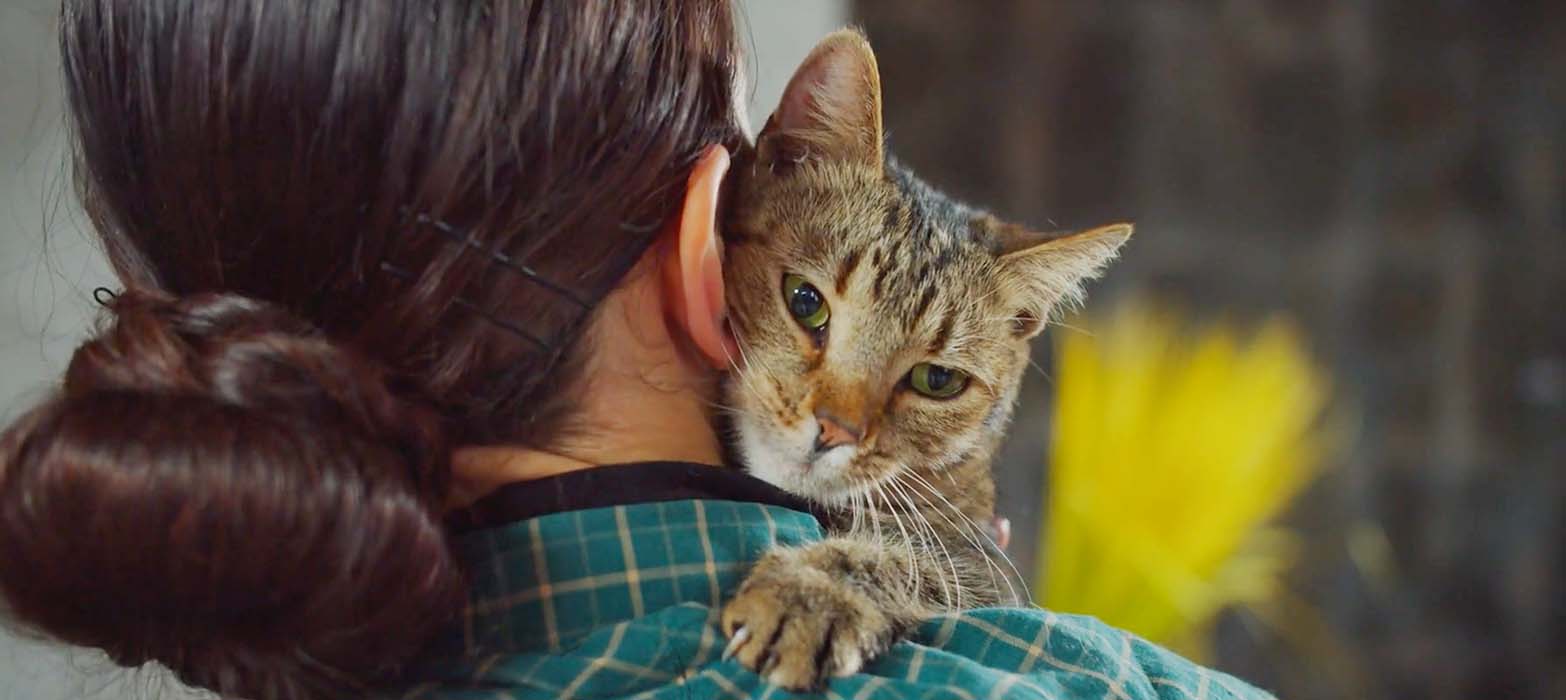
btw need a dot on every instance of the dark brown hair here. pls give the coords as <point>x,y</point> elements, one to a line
<point>351,235</point>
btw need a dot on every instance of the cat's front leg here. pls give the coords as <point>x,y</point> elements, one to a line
<point>808,613</point>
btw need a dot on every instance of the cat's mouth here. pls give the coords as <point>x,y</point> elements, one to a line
<point>833,477</point>
<point>792,456</point>
<point>829,464</point>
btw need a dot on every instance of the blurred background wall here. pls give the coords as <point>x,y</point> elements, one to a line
<point>1393,174</point>
<point>47,269</point>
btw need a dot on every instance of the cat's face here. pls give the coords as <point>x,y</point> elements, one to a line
<point>884,328</point>
<point>875,337</point>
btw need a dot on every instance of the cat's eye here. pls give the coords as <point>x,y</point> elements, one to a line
<point>937,382</point>
<point>805,302</point>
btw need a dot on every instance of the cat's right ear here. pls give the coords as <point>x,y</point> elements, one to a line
<point>831,109</point>
<point>1042,269</point>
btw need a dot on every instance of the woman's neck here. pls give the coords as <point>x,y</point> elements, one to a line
<point>645,397</point>
<point>643,432</point>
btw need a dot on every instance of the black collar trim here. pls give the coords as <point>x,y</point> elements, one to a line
<point>619,485</point>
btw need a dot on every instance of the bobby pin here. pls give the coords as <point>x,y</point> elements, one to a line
<point>500,258</point>
<point>476,310</point>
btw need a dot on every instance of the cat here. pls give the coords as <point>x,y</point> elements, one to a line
<point>883,330</point>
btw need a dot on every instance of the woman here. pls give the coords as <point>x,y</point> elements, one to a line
<point>400,278</point>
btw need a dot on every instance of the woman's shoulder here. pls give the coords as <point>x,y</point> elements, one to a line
<point>1032,652</point>
<point>1010,653</point>
<point>623,601</point>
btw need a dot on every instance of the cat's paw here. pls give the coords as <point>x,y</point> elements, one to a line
<point>797,626</point>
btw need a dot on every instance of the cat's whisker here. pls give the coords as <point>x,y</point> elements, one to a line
<point>739,344</point>
<point>854,513</point>
<point>724,408</point>
<point>1008,319</point>
<point>956,575</point>
<point>920,520</point>
<point>742,377</point>
<point>973,530</point>
<point>994,291</point>
<point>874,521</point>
<point>960,530</point>
<point>1074,329</point>
<point>734,372</point>
<point>975,340</point>
<point>744,381</point>
<point>863,512</point>
<point>861,506</point>
<point>1042,372</point>
<point>978,531</point>
<point>1052,323</point>
<point>907,541</point>
<point>921,542</point>
<point>914,547</point>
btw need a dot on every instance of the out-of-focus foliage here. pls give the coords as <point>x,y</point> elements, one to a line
<point>1173,449</point>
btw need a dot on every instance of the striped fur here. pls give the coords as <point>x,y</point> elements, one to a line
<point>910,276</point>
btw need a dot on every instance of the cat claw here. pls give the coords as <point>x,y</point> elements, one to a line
<point>741,636</point>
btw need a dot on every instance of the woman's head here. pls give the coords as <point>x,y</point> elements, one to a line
<point>365,165</point>
<point>350,234</point>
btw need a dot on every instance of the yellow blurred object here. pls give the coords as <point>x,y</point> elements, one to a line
<point>1171,453</point>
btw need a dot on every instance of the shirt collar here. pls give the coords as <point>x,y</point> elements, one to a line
<point>610,545</point>
<point>544,583</point>
<point>621,484</point>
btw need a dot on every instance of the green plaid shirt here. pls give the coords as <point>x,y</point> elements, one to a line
<point>622,602</point>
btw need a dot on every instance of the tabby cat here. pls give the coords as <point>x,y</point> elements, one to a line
<point>883,330</point>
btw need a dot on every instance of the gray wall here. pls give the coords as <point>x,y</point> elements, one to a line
<point>48,268</point>
<point>47,265</point>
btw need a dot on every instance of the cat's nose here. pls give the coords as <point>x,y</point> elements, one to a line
<point>834,431</point>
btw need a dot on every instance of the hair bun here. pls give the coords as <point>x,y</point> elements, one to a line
<point>221,488</point>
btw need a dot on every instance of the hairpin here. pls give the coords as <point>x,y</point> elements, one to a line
<point>475,309</point>
<point>555,345</point>
<point>499,258</point>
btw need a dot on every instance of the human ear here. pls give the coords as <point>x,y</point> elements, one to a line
<point>693,271</point>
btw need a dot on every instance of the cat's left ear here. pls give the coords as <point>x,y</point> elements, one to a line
<point>831,109</point>
<point>1045,269</point>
